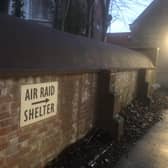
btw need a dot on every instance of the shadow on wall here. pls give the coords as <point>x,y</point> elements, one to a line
<point>110,100</point>
<point>104,112</point>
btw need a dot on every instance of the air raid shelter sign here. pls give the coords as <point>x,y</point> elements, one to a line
<point>38,102</point>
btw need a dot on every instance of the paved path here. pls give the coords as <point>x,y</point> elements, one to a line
<point>151,151</point>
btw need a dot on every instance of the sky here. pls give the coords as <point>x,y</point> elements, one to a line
<point>126,15</point>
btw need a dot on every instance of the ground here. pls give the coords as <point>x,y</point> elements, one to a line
<point>144,144</point>
<point>151,151</point>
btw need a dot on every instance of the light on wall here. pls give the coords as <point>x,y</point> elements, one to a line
<point>166,41</point>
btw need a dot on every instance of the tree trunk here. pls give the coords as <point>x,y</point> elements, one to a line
<point>17,8</point>
<point>4,4</point>
<point>80,17</point>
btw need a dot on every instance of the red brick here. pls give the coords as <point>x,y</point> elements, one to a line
<point>13,134</point>
<point>24,137</point>
<point>4,115</point>
<point>3,146</point>
<point>3,143</point>
<point>12,160</point>
<point>24,150</point>
<point>42,129</point>
<point>4,99</point>
<point>24,162</point>
<point>48,134</point>
<point>14,106</point>
<point>4,107</point>
<point>5,122</point>
<point>2,162</point>
<point>14,127</point>
<point>5,130</point>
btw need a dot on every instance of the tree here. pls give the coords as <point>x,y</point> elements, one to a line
<point>123,9</point>
<point>91,18</point>
<point>80,17</point>
<point>88,18</point>
<point>18,8</point>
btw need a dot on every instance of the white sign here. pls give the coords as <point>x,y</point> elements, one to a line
<point>38,102</point>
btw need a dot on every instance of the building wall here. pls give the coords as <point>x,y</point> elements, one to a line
<point>151,25</point>
<point>124,85</point>
<point>34,145</point>
<point>151,30</point>
<point>162,67</point>
<point>39,10</point>
<point>150,79</point>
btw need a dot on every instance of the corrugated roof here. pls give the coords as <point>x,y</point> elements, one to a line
<point>25,46</point>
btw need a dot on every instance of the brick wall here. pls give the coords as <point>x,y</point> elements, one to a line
<point>124,84</point>
<point>34,145</point>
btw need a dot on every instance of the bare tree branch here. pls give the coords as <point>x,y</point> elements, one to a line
<point>118,7</point>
